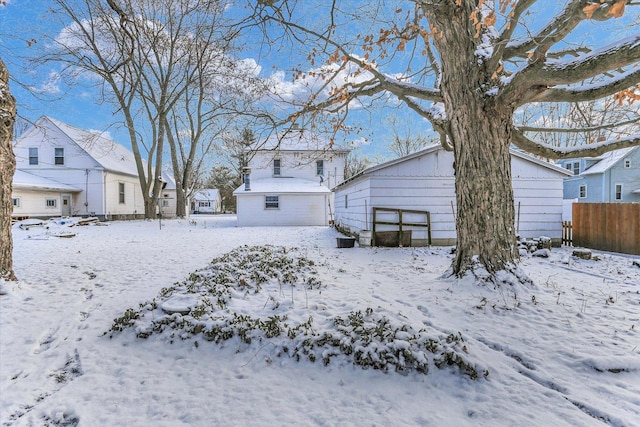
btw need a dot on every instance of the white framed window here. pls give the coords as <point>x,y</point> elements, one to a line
<point>33,155</point>
<point>618,195</point>
<point>627,163</point>
<point>59,156</point>
<point>206,204</point>
<point>573,167</point>
<point>52,203</point>
<point>319,167</point>
<point>583,191</point>
<point>276,167</point>
<point>121,198</point>
<point>165,203</point>
<point>17,202</point>
<point>346,201</point>
<point>271,202</point>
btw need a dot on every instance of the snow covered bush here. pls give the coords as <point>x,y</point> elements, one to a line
<point>226,301</point>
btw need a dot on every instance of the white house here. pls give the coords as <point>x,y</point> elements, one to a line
<point>206,201</point>
<point>35,196</point>
<point>290,178</point>
<point>102,174</point>
<point>424,181</point>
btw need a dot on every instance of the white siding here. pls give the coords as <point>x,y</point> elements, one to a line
<point>299,164</point>
<point>427,183</point>
<point>133,202</point>
<point>294,210</point>
<point>33,203</point>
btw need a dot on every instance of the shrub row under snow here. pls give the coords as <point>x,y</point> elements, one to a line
<point>224,301</point>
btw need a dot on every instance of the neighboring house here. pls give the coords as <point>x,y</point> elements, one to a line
<point>613,177</point>
<point>167,201</point>
<point>35,196</point>
<point>290,181</point>
<point>425,181</point>
<point>206,201</point>
<point>104,172</point>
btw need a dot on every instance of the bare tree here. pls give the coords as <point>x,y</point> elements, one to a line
<point>466,66</point>
<point>156,60</point>
<point>403,140</point>
<point>355,163</point>
<point>7,169</point>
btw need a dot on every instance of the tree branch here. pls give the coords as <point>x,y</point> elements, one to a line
<point>577,130</point>
<point>590,92</point>
<point>586,150</point>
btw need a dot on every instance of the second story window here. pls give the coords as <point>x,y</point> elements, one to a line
<point>320,167</point>
<point>627,164</point>
<point>59,156</point>
<point>276,167</point>
<point>574,167</point>
<point>33,155</point>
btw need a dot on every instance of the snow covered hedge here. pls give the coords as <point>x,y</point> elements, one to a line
<point>229,299</point>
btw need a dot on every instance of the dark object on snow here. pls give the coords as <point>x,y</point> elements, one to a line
<point>346,242</point>
<point>582,253</point>
<point>636,263</point>
<point>542,253</point>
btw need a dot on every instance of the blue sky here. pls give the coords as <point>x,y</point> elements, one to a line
<point>23,22</point>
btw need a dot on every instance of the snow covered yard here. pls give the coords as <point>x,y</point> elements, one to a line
<point>565,352</point>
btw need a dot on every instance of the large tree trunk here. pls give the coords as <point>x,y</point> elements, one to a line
<point>480,132</point>
<point>7,169</point>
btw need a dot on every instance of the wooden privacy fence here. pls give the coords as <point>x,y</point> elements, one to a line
<point>403,235</point>
<point>611,227</point>
<point>567,233</point>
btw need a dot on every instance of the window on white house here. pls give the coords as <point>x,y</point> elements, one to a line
<point>16,202</point>
<point>52,203</point>
<point>583,191</point>
<point>346,201</point>
<point>205,204</point>
<point>59,156</point>
<point>121,192</point>
<point>618,191</point>
<point>33,155</point>
<point>320,167</point>
<point>627,163</point>
<point>165,203</point>
<point>276,167</point>
<point>271,202</point>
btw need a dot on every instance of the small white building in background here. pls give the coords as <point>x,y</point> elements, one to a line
<point>206,201</point>
<point>104,172</point>
<point>425,181</point>
<point>290,181</point>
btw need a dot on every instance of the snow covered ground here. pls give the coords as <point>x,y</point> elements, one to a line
<point>564,352</point>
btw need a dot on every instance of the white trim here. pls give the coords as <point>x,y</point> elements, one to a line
<point>580,191</point>
<point>615,191</point>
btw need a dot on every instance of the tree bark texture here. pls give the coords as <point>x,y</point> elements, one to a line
<point>480,132</point>
<point>7,169</point>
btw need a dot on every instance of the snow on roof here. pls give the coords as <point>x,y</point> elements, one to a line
<point>607,160</point>
<point>207,194</point>
<point>298,140</point>
<point>109,154</point>
<point>170,180</point>
<point>283,186</point>
<point>26,180</point>
<point>437,147</point>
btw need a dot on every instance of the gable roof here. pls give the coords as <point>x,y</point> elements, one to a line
<point>298,140</point>
<point>29,181</point>
<point>438,147</point>
<point>608,160</point>
<point>107,153</point>
<point>206,194</point>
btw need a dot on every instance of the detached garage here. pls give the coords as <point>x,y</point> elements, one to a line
<point>424,181</point>
<point>282,202</point>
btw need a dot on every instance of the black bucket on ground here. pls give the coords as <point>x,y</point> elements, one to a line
<point>346,242</point>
